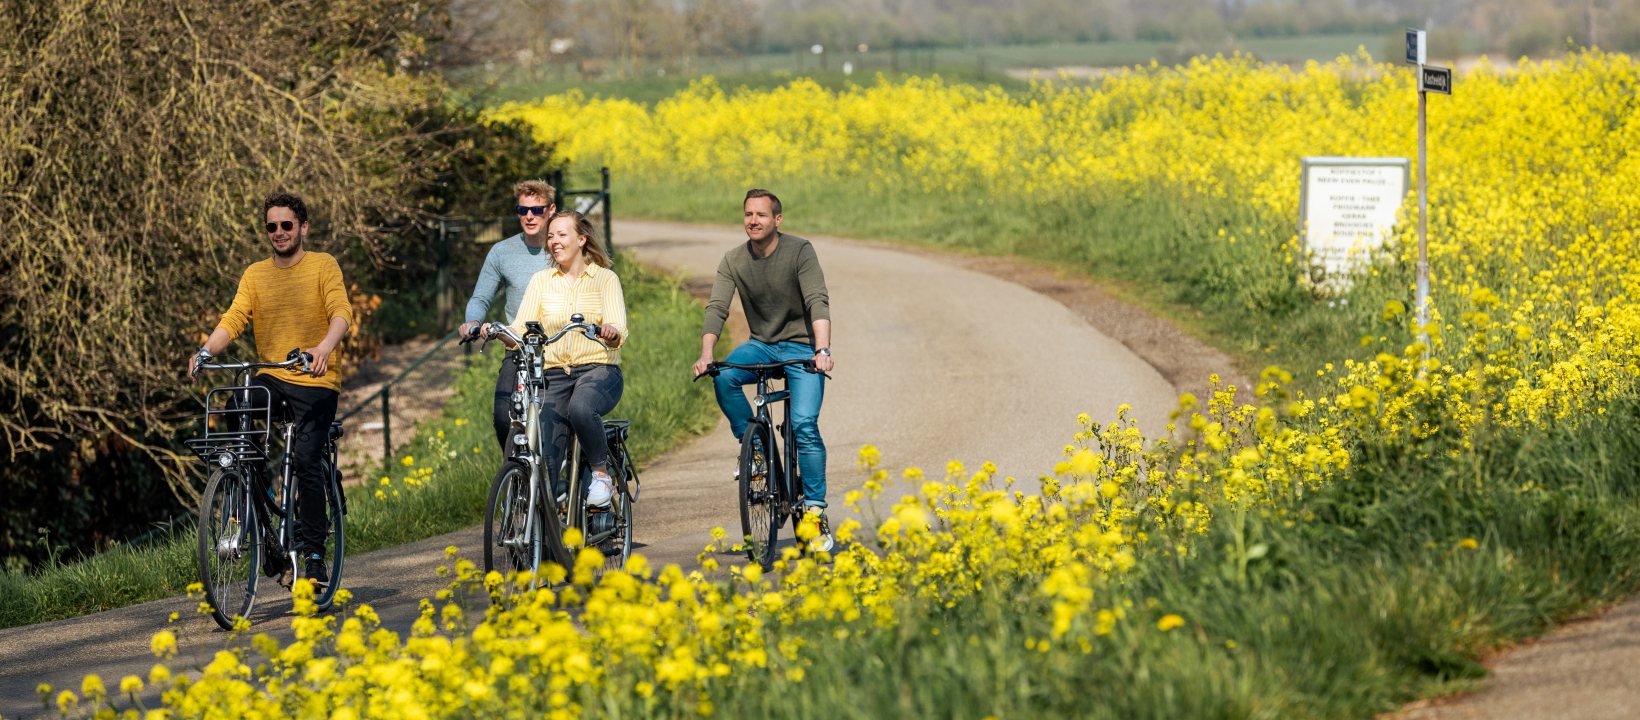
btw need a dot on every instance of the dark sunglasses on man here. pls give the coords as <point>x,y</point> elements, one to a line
<point>285,225</point>
<point>536,210</point>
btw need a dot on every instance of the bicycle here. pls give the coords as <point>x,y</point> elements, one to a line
<point>518,531</point>
<point>771,487</point>
<point>245,522</point>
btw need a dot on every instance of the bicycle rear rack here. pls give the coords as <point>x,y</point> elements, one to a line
<point>236,424</point>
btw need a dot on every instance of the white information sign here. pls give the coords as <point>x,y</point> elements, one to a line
<point>1347,211</point>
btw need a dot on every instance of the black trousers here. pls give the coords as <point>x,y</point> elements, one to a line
<point>578,401</point>
<point>313,410</point>
<point>505,384</point>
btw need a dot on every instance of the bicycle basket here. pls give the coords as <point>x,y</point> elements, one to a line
<point>236,423</point>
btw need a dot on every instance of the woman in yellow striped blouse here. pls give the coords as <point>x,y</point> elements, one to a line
<point>583,376</point>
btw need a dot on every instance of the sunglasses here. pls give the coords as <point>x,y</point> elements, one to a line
<point>285,225</point>
<point>531,209</point>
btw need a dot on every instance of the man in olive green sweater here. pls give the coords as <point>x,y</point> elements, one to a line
<point>294,299</point>
<point>783,293</point>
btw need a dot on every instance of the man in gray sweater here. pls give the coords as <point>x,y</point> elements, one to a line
<point>783,293</point>
<point>509,266</point>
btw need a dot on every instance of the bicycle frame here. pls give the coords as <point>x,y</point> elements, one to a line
<point>787,485</point>
<point>787,500</point>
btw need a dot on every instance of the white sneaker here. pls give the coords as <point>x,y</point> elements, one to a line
<point>600,491</point>
<point>824,542</point>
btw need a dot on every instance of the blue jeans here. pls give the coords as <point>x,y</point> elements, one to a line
<point>807,391</point>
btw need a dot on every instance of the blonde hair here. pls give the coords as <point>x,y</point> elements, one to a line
<point>536,187</point>
<point>583,227</point>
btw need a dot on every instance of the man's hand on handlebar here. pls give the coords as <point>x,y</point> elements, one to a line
<point>471,331</point>
<point>194,360</point>
<point>318,360</point>
<point>703,365</point>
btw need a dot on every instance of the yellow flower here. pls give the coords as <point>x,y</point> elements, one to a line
<point>1168,622</point>
<point>163,644</point>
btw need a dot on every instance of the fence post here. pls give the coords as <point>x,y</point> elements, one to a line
<point>609,237</point>
<point>387,426</point>
<point>445,284</point>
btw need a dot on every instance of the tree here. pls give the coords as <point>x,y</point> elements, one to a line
<point>137,140</point>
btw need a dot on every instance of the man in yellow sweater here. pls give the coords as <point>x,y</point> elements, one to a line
<point>294,299</point>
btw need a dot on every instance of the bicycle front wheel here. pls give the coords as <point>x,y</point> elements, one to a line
<point>509,545</point>
<point>759,502</point>
<point>230,548</point>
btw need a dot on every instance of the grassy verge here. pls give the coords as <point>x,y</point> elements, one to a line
<point>438,486</point>
<point>1404,577</point>
<point>500,84</point>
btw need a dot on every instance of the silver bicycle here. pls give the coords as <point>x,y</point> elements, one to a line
<point>522,527</point>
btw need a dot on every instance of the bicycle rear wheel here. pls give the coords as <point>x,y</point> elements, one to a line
<point>230,548</point>
<point>760,514</point>
<point>508,545</point>
<point>335,541</point>
<point>614,530</point>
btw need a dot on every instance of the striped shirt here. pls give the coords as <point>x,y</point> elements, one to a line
<point>553,296</point>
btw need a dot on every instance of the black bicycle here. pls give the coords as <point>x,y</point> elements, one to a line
<point>771,486</point>
<point>248,524</point>
<point>519,532</point>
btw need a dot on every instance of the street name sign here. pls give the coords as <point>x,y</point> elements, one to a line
<point>1435,79</point>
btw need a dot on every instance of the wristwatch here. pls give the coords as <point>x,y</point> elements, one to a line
<point>826,351</point>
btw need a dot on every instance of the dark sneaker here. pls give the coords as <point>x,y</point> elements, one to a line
<point>314,571</point>
<point>824,541</point>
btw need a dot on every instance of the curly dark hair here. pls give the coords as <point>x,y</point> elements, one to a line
<point>286,200</point>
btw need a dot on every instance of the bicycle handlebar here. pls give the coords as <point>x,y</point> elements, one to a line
<point>295,361</point>
<point>490,331</point>
<point>807,364</point>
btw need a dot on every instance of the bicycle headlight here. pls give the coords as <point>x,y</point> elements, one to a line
<point>225,460</point>
<point>521,440</point>
<point>759,401</point>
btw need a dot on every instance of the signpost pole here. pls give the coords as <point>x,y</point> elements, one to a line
<point>1423,218</point>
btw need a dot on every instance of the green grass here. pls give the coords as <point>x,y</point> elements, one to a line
<point>1371,603</point>
<point>664,409</point>
<point>505,83</point>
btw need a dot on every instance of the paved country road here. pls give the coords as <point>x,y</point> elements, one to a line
<point>938,358</point>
